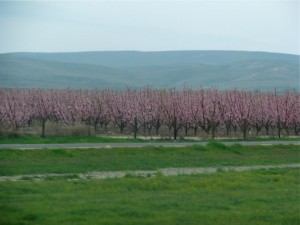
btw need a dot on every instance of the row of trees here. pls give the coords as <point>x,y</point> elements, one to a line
<point>150,109</point>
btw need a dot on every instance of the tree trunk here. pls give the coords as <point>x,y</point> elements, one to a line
<point>149,128</point>
<point>170,128</point>
<point>279,127</point>
<point>267,130</point>
<point>16,130</point>
<point>186,131</point>
<point>227,131</point>
<point>195,130</point>
<point>244,133</point>
<point>89,128</point>
<point>156,130</point>
<point>175,128</point>
<point>135,127</point>
<point>145,129</point>
<point>287,132</point>
<point>214,126</point>
<point>213,133</point>
<point>244,129</point>
<point>157,126</point>
<point>95,127</point>
<point>234,129</point>
<point>121,128</point>
<point>279,131</point>
<point>296,130</point>
<point>43,127</point>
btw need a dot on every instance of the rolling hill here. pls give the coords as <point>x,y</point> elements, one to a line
<point>121,69</point>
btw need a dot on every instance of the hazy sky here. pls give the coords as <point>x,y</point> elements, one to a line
<point>58,26</point>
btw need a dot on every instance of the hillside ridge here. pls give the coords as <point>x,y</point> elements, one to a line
<point>162,69</point>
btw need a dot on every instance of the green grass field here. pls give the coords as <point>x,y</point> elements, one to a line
<point>93,139</point>
<point>14,162</point>
<point>267,197</point>
<point>64,139</point>
<point>263,197</point>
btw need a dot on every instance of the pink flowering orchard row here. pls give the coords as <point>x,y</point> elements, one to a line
<point>186,109</point>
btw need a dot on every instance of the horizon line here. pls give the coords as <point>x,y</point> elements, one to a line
<point>148,51</point>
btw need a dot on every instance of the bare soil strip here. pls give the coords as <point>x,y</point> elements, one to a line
<point>146,173</point>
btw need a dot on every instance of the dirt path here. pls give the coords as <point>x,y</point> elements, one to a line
<point>146,173</point>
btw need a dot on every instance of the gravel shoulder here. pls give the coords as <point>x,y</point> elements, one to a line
<point>146,173</point>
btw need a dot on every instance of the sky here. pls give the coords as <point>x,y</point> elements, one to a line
<point>71,26</point>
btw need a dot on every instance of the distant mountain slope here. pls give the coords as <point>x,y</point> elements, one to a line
<point>225,69</point>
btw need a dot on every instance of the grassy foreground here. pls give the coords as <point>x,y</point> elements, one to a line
<point>266,197</point>
<point>263,197</point>
<point>17,162</point>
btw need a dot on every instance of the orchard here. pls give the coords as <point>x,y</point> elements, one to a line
<point>185,110</point>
